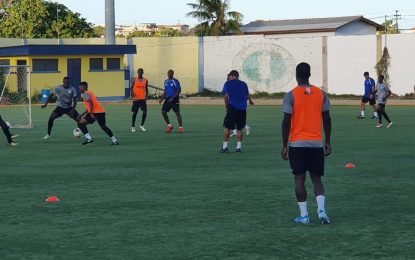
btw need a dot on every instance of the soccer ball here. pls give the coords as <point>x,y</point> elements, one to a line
<point>77,132</point>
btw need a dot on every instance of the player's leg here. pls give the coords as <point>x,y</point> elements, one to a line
<point>316,161</point>
<point>372,102</point>
<point>144,116</point>
<point>240,124</point>
<point>176,110</point>
<point>229,125</point>
<point>297,158</point>
<point>75,115</point>
<point>164,110</point>
<point>380,115</point>
<point>6,132</point>
<point>134,111</point>
<point>386,115</point>
<point>362,107</point>
<point>102,123</point>
<point>56,113</point>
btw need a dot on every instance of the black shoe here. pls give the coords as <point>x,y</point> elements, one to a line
<point>224,150</point>
<point>87,141</point>
<point>361,117</point>
<point>374,117</point>
<point>238,150</point>
<point>115,143</point>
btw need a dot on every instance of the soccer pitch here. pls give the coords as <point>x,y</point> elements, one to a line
<point>173,196</point>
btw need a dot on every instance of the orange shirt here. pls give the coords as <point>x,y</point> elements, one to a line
<point>139,88</point>
<point>97,107</point>
<point>307,118</point>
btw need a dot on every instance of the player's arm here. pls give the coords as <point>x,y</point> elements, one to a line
<point>47,100</point>
<point>250,100</point>
<point>285,133</point>
<point>146,89</point>
<point>327,131</point>
<point>163,96</point>
<point>91,106</point>
<point>226,99</point>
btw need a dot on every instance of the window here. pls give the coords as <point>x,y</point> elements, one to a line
<point>4,62</point>
<point>113,64</point>
<point>4,70</point>
<point>45,65</point>
<point>96,64</point>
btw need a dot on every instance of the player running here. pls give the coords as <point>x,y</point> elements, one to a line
<point>6,131</point>
<point>94,112</point>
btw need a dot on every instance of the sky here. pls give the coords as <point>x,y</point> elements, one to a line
<point>130,12</point>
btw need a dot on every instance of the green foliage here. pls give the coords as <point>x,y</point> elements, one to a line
<point>99,31</point>
<point>390,26</point>
<point>161,32</point>
<point>214,18</point>
<point>40,19</point>
<point>382,67</point>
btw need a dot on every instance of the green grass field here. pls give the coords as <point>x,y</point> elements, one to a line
<point>172,196</point>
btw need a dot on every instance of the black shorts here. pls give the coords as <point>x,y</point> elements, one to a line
<point>234,117</point>
<point>100,117</point>
<point>71,112</point>
<point>303,159</point>
<point>372,101</point>
<point>141,103</point>
<point>167,106</point>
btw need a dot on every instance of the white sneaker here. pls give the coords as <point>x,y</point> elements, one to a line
<point>133,129</point>
<point>13,144</point>
<point>233,133</point>
<point>247,130</point>
<point>15,136</point>
<point>389,125</point>
<point>142,128</point>
<point>379,125</point>
<point>46,137</point>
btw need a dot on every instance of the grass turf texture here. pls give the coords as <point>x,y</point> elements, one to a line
<point>172,196</point>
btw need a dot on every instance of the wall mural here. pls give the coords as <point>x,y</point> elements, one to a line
<point>265,67</point>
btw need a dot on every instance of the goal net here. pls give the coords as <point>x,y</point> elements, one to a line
<point>15,96</point>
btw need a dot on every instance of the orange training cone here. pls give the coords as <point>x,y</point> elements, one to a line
<point>350,165</point>
<point>52,199</point>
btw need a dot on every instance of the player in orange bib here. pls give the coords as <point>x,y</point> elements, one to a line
<point>94,112</point>
<point>139,95</point>
<point>306,113</point>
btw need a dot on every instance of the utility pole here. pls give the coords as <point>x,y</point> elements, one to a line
<point>397,17</point>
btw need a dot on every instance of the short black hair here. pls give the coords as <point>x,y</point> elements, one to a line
<point>302,71</point>
<point>366,73</point>
<point>381,77</point>
<point>234,73</point>
<point>140,69</point>
<point>84,83</point>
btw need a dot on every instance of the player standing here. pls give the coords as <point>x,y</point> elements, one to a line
<point>170,96</point>
<point>140,94</point>
<point>306,110</point>
<point>368,96</point>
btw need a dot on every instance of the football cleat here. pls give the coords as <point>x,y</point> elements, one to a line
<point>87,141</point>
<point>181,130</point>
<point>361,117</point>
<point>379,126</point>
<point>224,150</point>
<point>142,128</point>
<point>302,220</point>
<point>238,150</point>
<point>133,129</point>
<point>389,125</point>
<point>169,129</point>
<point>14,136</point>
<point>13,144</point>
<point>323,218</point>
<point>115,143</point>
<point>46,137</point>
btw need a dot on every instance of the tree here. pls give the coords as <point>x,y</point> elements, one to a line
<point>382,66</point>
<point>391,27</point>
<point>214,18</point>
<point>99,31</point>
<point>41,19</point>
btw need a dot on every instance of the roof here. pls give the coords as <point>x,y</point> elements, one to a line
<point>330,24</point>
<point>51,49</point>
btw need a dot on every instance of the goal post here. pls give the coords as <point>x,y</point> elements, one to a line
<point>15,95</point>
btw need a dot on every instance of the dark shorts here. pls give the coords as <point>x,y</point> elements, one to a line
<point>139,104</point>
<point>71,112</point>
<point>167,106</point>
<point>303,159</point>
<point>100,117</point>
<point>372,101</point>
<point>234,117</point>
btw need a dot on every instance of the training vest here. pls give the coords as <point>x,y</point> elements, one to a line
<point>139,88</point>
<point>98,108</point>
<point>307,119</point>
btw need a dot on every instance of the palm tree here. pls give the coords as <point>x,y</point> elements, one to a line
<point>214,18</point>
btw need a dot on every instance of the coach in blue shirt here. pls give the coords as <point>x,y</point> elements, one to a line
<point>236,95</point>
<point>368,96</point>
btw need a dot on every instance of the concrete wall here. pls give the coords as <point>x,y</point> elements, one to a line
<point>266,64</point>
<point>157,55</point>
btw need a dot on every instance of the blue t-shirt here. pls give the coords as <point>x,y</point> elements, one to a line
<point>171,86</point>
<point>369,84</point>
<point>237,92</point>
